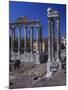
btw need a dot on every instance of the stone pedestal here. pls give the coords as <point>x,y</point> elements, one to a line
<point>12,55</point>
<point>37,61</point>
<point>59,64</point>
<point>54,66</point>
<point>19,56</point>
<point>49,72</point>
<point>32,58</point>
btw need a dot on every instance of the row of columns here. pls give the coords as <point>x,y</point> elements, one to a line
<point>39,39</point>
<point>52,61</point>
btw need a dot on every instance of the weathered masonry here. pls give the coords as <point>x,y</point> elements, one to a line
<point>53,63</point>
<point>24,23</point>
<point>54,59</point>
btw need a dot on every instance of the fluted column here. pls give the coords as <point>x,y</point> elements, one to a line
<point>52,39</point>
<point>25,39</point>
<point>49,41</point>
<point>58,42</point>
<point>40,32</point>
<point>12,43</point>
<point>37,39</point>
<point>31,43</point>
<point>19,43</point>
<point>12,38</point>
<point>49,73</point>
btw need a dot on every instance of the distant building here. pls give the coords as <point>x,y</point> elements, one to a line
<point>44,45</point>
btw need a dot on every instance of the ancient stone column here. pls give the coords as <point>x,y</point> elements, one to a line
<point>52,39</point>
<point>19,43</point>
<point>31,43</point>
<point>12,38</point>
<point>58,42</point>
<point>25,39</point>
<point>49,73</point>
<point>52,64</point>
<point>37,39</point>
<point>37,53</point>
<point>12,43</point>
<point>40,36</point>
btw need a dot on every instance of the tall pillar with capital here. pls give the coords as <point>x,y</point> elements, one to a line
<point>53,63</point>
<point>49,72</point>
<point>58,42</point>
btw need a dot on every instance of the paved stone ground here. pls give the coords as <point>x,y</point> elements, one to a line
<point>24,77</point>
<point>58,79</point>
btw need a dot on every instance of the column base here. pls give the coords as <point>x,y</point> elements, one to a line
<point>59,64</point>
<point>37,61</point>
<point>24,52</point>
<point>31,57</point>
<point>12,56</point>
<point>19,55</point>
<point>37,52</point>
<point>48,74</point>
<point>49,63</point>
<point>24,58</point>
<point>54,66</point>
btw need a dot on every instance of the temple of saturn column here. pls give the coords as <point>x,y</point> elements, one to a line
<point>23,23</point>
<point>54,63</point>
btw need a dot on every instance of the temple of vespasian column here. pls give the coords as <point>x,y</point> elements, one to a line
<point>24,22</point>
<point>54,63</point>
